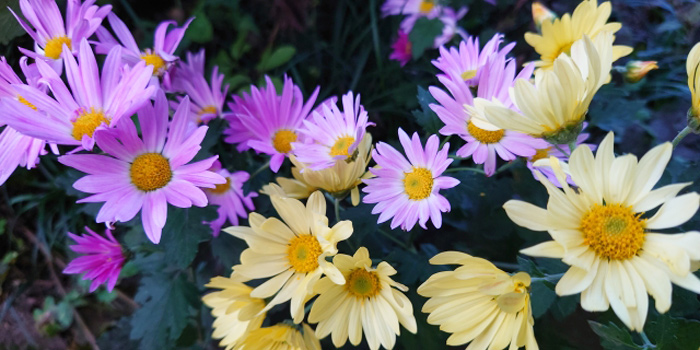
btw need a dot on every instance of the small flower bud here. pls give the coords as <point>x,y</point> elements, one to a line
<point>636,70</point>
<point>541,13</point>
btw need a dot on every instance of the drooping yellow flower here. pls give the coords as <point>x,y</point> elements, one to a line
<point>367,304</point>
<point>692,66</point>
<point>291,253</point>
<point>559,35</point>
<point>281,336</point>
<point>554,107</point>
<point>236,312</point>
<point>479,303</point>
<point>602,231</point>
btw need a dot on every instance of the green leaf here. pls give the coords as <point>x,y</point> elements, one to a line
<point>671,333</point>
<point>9,27</point>
<point>200,30</point>
<point>613,337</point>
<point>423,35</point>
<point>183,232</point>
<point>273,59</point>
<point>165,310</point>
<point>425,117</point>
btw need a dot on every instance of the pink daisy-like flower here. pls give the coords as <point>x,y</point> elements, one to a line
<point>410,7</point>
<point>484,141</point>
<point>447,15</point>
<point>102,258</point>
<point>93,100</point>
<point>207,101</point>
<point>50,32</point>
<point>230,198</point>
<point>401,49</point>
<point>267,122</point>
<point>160,56</point>
<point>466,62</point>
<point>145,174</point>
<point>408,189</point>
<point>332,135</point>
<point>562,153</point>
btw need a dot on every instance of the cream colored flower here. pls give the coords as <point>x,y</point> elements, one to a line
<point>367,304</point>
<point>559,35</point>
<point>479,303</point>
<point>602,230</point>
<point>692,66</point>
<point>280,337</point>
<point>555,106</point>
<point>236,312</point>
<point>292,254</point>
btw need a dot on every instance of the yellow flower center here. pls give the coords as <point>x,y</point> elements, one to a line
<point>152,59</point>
<point>23,101</point>
<point>207,110</point>
<point>150,171</point>
<point>54,46</point>
<point>540,154</point>
<point>613,231</point>
<point>87,121</point>
<point>426,6</point>
<point>362,283</point>
<point>418,184</point>
<point>282,141</point>
<point>303,253</point>
<point>468,74</point>
<point>484,136</point>
<point>221,188</point>
<point>340,148</point>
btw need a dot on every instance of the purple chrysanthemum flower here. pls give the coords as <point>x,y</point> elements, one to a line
<point>230,198</point>
<point>145,174</point>
<point>101,261</point>
<point>562,153</point>
<point>484,141</point>
<point>94,100</point>
<point>410,7</point>
<point>401,49</point>
<point>408,189</point>
<point>332,135</point>
<point>50,32</point>
<point>161,56</point>
<point>207,101</point>
<point>267,122</point>
<point>466,62</point>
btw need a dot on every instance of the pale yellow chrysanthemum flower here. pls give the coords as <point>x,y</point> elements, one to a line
<point>559,35</point>
<point>692,66</point>
<point>555,106</point>
<point>479,303</point>
<point>281,336</point>
<point>367,304</point>
<point>602,230</point>
<point>292,252</point>
<point>236,312</point>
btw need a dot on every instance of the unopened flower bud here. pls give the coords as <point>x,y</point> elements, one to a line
<point>636,70</point>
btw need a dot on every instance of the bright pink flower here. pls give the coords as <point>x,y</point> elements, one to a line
<point>101,261</point>
<point>410,7</point>
<point>267,122</point>
<point>401,49</point>
<point>207,101</point>
<point>408,189</point>
<point>231,200</point>
<point>148,173</point>
<point>466,62</point>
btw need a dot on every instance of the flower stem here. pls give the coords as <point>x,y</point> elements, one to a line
<point>562,150</point>
<point>454,170</point>
<point>260,169</point>
<point>681,135</point>
<point>647,343</point>
<point>548,278</point>
<point>445,141</point>
<point>507,166</point>
<point>396,240</point>
<point>336,209</point>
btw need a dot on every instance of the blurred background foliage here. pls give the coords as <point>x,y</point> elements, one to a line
<point>338,45</point>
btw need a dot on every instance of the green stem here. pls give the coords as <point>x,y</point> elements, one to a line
<point>445,141</point>
<point>548,278</point>
<point>476,170</point>
<point>681,135</point>
<point>396,240</point>
<point>647,343</point>
<point>336,209</point>
<point>260,169</point>
<point>562,150</point>
<point>506,166</point>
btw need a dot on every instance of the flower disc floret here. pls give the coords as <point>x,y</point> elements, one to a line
<point>363,284</point>
<point>303,253</point>
<point>485,136</point>
<point>221,188</point>
<point>87,121</point>
<point>418,183</point>
<point>150,171</point>
<point>340,147</point>
<point>613,231</point>
<point>282,141</point>
<point>54,46</point>
<point>153,59</point>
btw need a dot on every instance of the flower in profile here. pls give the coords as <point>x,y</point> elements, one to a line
<point>560,152</point>
<point>554,107</point>
<point>602,231</point>
<point>484,140</point>
<point>101,261</point>
<point>50,32</point>
<point>161,56</point>
<point>292,252</point>
<point>229,196</point>
<point>281,336</point>
<point>541,14</point>
<point>236,313</point>
<point>408,189</point>
<point>332,135</point>
<point>267,122</point>
<point>636,70</point>
<point>559,35</point>
<point>366,303</point>
<point>146,174</point>
<point>479,303</point>
<point>93,101</point>
<point>466,62</point>
<point>207,100</point>
<point>692,66</point>
<point>401,49</point>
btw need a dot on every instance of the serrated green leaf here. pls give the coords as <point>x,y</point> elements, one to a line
<point>200,30</point>
<point>425,117</point>
<point>613,337</point>
<point>672,333</point>
<point>273,59</point>
<point>183,232</point>
<point>423,35</point>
